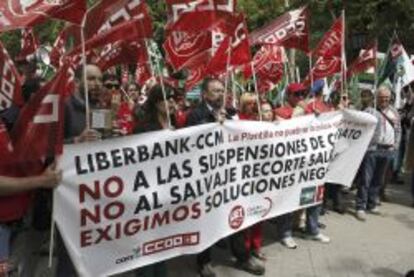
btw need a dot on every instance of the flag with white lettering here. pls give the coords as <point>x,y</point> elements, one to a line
<point>38,132</point>
<point>291,30</point>
<point>365,60</point>
<point>194,16</point>
<point>29,44</point>
<point>16,14</point>
<point>10,82</point>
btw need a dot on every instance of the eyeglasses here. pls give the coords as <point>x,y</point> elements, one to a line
<point>112,86</point>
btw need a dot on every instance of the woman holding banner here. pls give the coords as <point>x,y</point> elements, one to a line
<point>156,118</point>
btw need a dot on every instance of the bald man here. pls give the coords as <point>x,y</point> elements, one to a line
<point>75,113</point>
<point>75,131</point>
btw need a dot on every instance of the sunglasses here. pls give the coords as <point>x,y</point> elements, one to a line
<point>112,86</point>
<point>299,94</point>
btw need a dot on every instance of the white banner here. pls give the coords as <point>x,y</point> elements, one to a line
<point>132,201</point>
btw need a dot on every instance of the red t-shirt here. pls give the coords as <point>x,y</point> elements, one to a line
<point>284,112</point>
<point>243,116</point>
<point>319,105</point>
<point>124,118</point>
<point>15,206</point>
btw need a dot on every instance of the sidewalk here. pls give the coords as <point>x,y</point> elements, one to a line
<point>382,246</point>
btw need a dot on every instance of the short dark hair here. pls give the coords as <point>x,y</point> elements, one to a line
<point>206,82</point>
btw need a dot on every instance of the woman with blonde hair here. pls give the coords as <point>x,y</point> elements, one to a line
<point>248,107</point>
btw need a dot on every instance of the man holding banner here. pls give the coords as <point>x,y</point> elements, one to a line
<point>75,132</point>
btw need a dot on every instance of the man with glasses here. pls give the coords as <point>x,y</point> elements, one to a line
<point>296,105</point>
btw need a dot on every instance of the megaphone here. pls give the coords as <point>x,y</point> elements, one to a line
<point>43,55</point>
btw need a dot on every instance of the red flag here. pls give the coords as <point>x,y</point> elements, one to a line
<point>365,60</point>
<point>236,45</point>
<point>271,71</point>
<point>187,50</point>
<point>266,54</point>
<point>142,74</point>
<point>121,52</point>
<point>108,14</point>
<point>38,133</point>
<point>195,76</point>
<point>10,82</point>
<point>131,30</point>
<point>331,43</point>
<point>16,14</point>
<point>59,47</point>
<point>290,30</point>
<point>29,44</point>
<point>328,53</point>
<point>325,67</point>
<point>198,15</point>
<point>264,85</point>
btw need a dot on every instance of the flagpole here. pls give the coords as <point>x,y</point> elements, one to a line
<point>233,88</point>
<point>149,57</point>
<point>226,78</point>
<point>311,80</point>
<point>52,236</point>
<point>343,67</point>
<point>164,94</point>
<point>259,109</point>
<point>85,79</point>
<point>297,74</point>
<point>375,75</point>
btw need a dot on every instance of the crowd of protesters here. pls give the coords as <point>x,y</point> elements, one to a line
<point>127,109</point>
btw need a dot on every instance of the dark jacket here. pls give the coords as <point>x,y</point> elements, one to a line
<point>75,118</point>
<point>201,115</point>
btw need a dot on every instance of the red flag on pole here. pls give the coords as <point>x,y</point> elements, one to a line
<point>331,43</point>
<point>16,14</point>
<point>142,73</point>
<point>121,52</point>
<point>237,43</point>
<point>366,59</point>
<point>328,53</point>
<point>10,82</point>
<point>135,29</point>
<point>29,44</point>
<point>198,15</point>
<point>266,54</point>
<point>194,77</point>
<point>324,67</point>
<point>108,14</point>
<point>38,133</point>
<point>290,30</point>
<point>187,50</point>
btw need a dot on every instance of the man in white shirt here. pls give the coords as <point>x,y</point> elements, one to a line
<point>389,136</point>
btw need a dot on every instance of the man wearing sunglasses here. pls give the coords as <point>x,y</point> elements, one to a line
<point>295,106</point>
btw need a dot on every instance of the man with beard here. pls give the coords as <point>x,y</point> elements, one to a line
<point>209,110</point>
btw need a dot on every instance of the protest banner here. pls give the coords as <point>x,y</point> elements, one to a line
<point>132,201</point>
